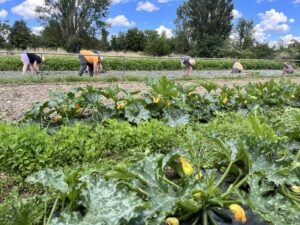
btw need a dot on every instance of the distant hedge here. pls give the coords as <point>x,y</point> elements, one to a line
<point>62,63</point>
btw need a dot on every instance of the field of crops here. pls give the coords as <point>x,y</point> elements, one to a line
<point>166,155</point>
<point>61,63</point>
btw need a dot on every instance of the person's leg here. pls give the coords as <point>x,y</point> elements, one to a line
<point>25,60</point>
<point>91,69</point>
<point>83,65</point>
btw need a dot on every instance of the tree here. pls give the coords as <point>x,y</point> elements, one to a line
<point>207,23</point>
<point>4,34</point>
<point>80,21</point>
<point>51,35</point>
<point>104,44</point>
<point>135,40</point>
<point>244,32</point>
<point>263,51</point>
<point>118,42</point>
<point>159,46</point>
<point>20,35</point>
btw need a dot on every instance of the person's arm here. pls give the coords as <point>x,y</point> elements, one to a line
<point>96,68</point>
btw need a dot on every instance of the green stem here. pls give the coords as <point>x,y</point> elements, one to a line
<point>241,182</point>
<point>45,211</point>
<point>171,183</point>
<point>204,217</point>
<point>196,221</point>
<point>224,175</point>
<point>211,219</point>
<point>287,194</point>
<point>53,209</point>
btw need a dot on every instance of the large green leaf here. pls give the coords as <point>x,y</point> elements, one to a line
<point>105,203</point>
<point>274,208</point>
<point>136,113</point>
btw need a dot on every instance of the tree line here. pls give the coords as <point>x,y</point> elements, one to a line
<point>203,29</point>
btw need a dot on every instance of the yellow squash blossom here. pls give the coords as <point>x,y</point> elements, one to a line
<point>197,194</point>
<point>296,189</point>
<point>186,166</point>
<point>245,102</point>
<point>172,221</point>
<point>238,212</point>
<point>156,99</point>
<point>57,118</point>
<point>120,105</point>
<point>292,96</point>
<point>225,100</point>
<point>190,94</point>
<point>77,107</point>
<point>199,176</point>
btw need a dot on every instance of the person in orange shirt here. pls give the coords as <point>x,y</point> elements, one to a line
<point>90,59</point>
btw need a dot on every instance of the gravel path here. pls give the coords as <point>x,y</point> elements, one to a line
<point>15,100</point>
<point>177,73</point>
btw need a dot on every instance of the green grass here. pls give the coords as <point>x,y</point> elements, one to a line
<point>30,79</point>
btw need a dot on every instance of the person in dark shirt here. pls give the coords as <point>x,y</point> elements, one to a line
<point>32,60</point>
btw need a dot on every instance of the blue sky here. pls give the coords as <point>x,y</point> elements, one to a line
<point>274,19</point>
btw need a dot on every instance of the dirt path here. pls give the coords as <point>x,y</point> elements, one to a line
<point>15,100</point>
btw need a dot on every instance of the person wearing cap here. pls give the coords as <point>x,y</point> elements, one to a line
<point>90,59</point>
<point>189,63</point>
<point>237,67</point>
<point>32,60</point>
<point>287,69</point>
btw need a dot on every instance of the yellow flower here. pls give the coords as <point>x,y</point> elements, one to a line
<point>172,221</point>
<point>120,105</point>
<point>225,100</point>
<point>57,118</point>
<point>197,194</point>
<point>238,212</point>
<point>186,166</point>
<point>245,102</point>
<point>156,99</point>
<point>190,94</point>
<point>77,107</point>
<point>292,96</point>
<point>296,189</point>
<point>168,103</point>
<point>199,176</point>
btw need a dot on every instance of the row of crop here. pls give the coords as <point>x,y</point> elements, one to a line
<point>255,167</point>
<point>164,100</point>
<point>61,63</point>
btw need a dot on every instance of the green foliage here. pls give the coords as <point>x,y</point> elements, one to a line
<point>20,35</point>
<point>61,63</point>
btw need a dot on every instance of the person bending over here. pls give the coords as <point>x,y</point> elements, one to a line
<point>237,67</point>
<point>90,59</point>
<point>189,63</point>
<point>32,60</point>
<point>287,69</point>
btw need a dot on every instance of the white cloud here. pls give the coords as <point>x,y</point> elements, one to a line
<point>146,6</point>
<point>167,31</point>
<point>296,1</point>
<point>2,1</point>
<point>163,1</point>
<point>37,30</point>
<point>27,8</point>
<point>120,20</point>
<point>291,20</point>
<point>3,13</point>
<point>271,22</point>
<point>236,14</point>
<point>285,41</point>
<point>118,1</point>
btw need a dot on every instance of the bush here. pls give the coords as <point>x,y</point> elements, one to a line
<point>61,63</point>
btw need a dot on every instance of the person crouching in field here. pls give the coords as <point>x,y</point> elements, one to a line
<point>32,60</point>
<point>92,60</point>
<point>237,67</point>
<point>287,69</point>
<point>188,63</point>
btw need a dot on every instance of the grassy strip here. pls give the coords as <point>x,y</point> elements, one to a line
<point>75,79</point>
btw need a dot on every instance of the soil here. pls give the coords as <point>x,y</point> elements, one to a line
<point>15,100</point>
